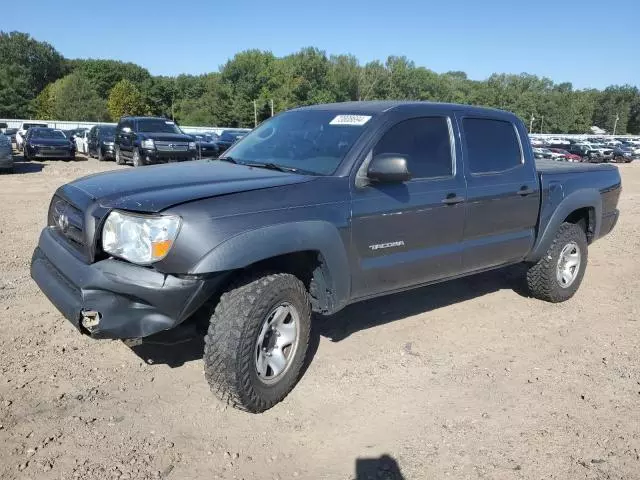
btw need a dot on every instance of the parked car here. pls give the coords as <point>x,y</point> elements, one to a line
<point>548,153</point>
<point>11,133</point>
<point>316,208</point>
<point>81,139</point>
<point>541,152</point>
<point>148,140</point>
<point>571,157</point>
<point>101,141</point>
<point>48,143</point>
<point>206,144</point>
<point>228,138</point>
<point>22,132</point>
<point>623,154</point>
<point>6,153</point>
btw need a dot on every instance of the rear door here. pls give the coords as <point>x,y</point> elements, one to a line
<point>406,234</point>
<point>503,194</point>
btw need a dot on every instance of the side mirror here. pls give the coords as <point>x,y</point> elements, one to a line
<point>389,168</point>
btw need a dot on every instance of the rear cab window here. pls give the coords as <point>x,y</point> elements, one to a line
<point>492,146</point>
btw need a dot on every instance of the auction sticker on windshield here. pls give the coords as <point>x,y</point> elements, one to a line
<point>358,120</point>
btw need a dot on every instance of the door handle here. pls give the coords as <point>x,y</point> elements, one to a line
<point>452,199</point>
<point>524,191</point>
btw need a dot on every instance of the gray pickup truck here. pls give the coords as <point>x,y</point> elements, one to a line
<point>317,208</point>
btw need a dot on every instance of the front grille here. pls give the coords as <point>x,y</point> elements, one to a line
<point>172,146</point>
<point>68,221</point>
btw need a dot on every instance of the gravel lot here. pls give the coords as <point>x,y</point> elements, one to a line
<point>468,379</point>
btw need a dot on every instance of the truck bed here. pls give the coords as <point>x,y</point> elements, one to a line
<point>553,166</point>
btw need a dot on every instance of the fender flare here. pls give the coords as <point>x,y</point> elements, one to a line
<point>271,241</point>
<point>575,201</point>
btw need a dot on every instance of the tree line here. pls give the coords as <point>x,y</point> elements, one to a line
<point>36,81</point>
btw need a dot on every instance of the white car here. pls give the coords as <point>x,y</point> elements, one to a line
<point>82,142</point>
<point>22,132</point>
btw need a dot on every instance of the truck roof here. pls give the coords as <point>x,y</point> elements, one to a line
<point>382,106</point>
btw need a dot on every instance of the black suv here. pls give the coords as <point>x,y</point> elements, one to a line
<point>147,140</point>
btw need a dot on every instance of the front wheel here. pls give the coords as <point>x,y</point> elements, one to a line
<point>257,341</point>
<point>137,160</point>
<point>558,274</point>
<point>119,158</point>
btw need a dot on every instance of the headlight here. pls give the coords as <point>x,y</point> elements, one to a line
<point>149,143</point>
<point>192,145</point>
<point>137,238</point>
<point>110,144</point>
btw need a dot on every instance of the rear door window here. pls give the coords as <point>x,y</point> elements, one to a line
<point>492,146</point>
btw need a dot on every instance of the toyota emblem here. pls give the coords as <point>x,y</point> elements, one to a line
<point>172,146</point>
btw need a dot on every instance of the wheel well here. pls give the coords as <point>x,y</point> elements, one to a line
<point>585,219</point>
<point>309,266</point>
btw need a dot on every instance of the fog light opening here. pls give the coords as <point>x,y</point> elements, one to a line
<point>90,320</point>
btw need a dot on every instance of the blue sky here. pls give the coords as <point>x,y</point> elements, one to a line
<point>589,43</point>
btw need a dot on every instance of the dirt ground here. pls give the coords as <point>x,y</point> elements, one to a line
<point>469,379</point>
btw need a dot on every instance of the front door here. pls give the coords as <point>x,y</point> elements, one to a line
<point>503,196</point>
<point>406,234</point>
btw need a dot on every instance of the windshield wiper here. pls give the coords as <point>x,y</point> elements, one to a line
<point>272,166</point>
<point>228,159</point>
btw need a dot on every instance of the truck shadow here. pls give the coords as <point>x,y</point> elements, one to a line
<point>186,343</point>
<point>384,467</point>
<point>381,310</point>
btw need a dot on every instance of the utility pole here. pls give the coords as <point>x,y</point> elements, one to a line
<point>271,106</point>
<point>531,123</point>
<point>255,114</point>
<point>542,124</point>
<point>615,125</point>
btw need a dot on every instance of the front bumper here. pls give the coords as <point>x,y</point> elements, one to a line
<point>154,156</point>
<point>609,222</point>
<point>6,160</point>
<point>131,301</point>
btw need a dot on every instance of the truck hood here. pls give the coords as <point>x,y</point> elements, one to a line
<point>157,187</point>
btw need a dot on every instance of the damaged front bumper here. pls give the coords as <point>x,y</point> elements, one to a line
<point>112,298</point>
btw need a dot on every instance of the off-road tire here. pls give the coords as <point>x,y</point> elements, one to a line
<point>229,352</point>
<point>541,277</point>
<point>119,158</point>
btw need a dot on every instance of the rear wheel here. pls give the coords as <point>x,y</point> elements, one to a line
<point>558,274</point>
<point>257,341</point>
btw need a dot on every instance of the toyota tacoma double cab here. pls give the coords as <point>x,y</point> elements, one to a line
<point>317,208</point>
<point>149,140</point>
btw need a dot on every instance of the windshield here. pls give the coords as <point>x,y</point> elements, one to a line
<point>107,131</point>
<point>309,140</point>
<point>27,126</point>
<point>157,125</point>
<point>48,134</point>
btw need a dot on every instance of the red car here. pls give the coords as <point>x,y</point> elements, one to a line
<point>572,157</point>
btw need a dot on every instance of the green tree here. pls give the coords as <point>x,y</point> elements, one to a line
<point>74,98</point>
<point>43,104</point>
<point>26,67</point>
<point>15,93</point>
<point>125,99</point>
<point>104,74</point>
